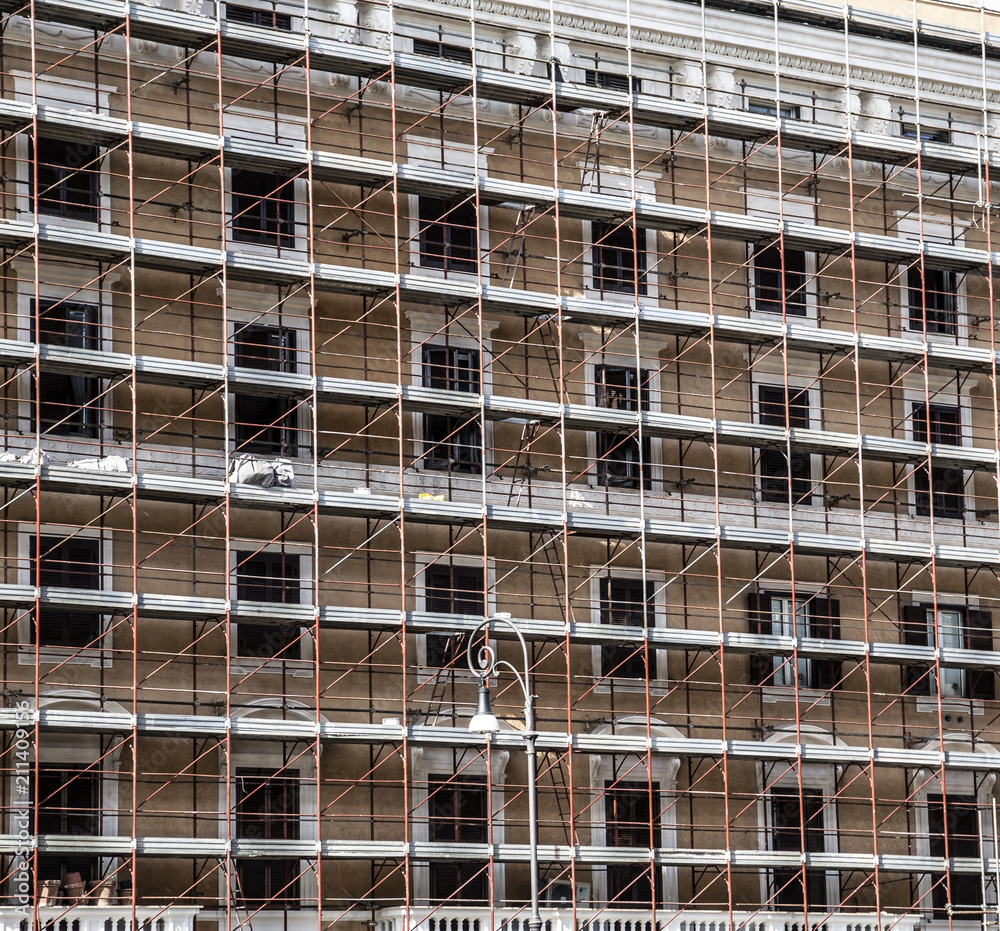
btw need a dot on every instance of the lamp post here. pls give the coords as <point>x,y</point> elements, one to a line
<point>484,721</point>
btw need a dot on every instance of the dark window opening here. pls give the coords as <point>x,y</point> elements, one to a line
<point>619,267</point>
<point>69,803</point>
<point>457,53</point>
<point>622,461</point>
<point>452,442</point>
<point>257,17</point>
<point>779,278</point>
<point>954,627</point>
<point>452,590</point>
<point>632,819</point>
<point>933,303</point>
<point>68,404</point>
<point>927,133</point>
<point>271,577</point>
<point>783,473</point>
<point>68,179</point>
<point>786,111</point>
<point>627,603</point>
<point>778,614</point>
<point>458,813</point>
<point>794,818</point>
<point>267,808</point>
<point>449,235</point>
<point>265,425</point>
<point>953,830</point>
<point>938,489</point>
<point>613,82</point>
<point>74,563</point>
<point>263,208</point>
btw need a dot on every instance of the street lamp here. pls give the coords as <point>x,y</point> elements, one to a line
<point>484,721</point>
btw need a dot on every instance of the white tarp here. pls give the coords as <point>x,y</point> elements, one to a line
<point>249,470</point>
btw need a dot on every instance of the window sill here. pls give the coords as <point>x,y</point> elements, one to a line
<point>460,673</point>
<point>98,659</point>
<point>632,687</point>
<point>771,694</point>
<point>928,704</point>
<point>449,274</point>
<point>296,668</point>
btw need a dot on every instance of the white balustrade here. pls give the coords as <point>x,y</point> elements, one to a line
<point>101,918</point>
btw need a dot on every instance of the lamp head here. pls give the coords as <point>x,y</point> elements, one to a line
<point>484,721</point>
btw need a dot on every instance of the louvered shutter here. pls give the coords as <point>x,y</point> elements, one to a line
<point>824,621</point>
<point>795,282</point>
<point>451,590</point>
<point>759,617</point>
<point>917,679</point>
<point>979,636</point>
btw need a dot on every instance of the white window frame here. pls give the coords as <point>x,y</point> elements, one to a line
<point>930,704</point>
<point>67,748</point>
<point>64,94</point>
<point>445,761</point>
<point>268,754</point>
<point>98,658</point>
<point>658,685</point>
<point>421,561</point>
<point>432,330</point>
<point>937,229</point>
<point>302,668</point>
<point>599,354</point>
<point>765,377</point>
<point>620,184</point>
<point>941,391</point>
<point>755,86</point>
<point>288,131</point>
<point>78,286</point>
<point>261,308</point>
<point>820,776</point>
<point>761,203</point>
<point>461,158</point>
<point>635,769</point>
<point>957,783</point>
<point>297,24</point>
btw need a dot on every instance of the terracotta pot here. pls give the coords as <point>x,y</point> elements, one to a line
<point>76,892</point>
<point>48,891</point>
<point>73,878</point>
<point>102,892</point>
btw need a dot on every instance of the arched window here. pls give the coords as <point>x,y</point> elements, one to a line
<point>632,805</point>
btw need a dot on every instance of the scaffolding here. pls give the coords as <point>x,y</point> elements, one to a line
<point>666,330</point>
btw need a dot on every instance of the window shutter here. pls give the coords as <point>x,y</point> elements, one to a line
<point>759,616</point>
<point>979,636</point>
<point>824,621</point>
<point>917,679</point>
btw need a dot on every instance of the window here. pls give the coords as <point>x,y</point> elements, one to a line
<point>256,17</point>
<point>265,425</point>
<point>784,474</point>
<point>67,404</point>
<point>955,627</point>
<point>452,589</point>
<point>619,267</point>
<point>621,457</point>
<point>62,563</point>
<point>932,299</point>
<point>68,176</point>
<point>786,111</point>
<point>263,208</point>
<point>938,490</point>
<point>458,53</point>
<point>632,819</point>
<point>449,234</point>
<point>452,443</point>
<point>613,82</point>
<point>779,281</point>
<point>778,614</point>
<point>458,813</point>
<point>926,133</point>
<point>69,804</point>
<point>627,602</point>
<point>273,577</point>
<point>794,817</point>
<point>267,808</point>
<point>953,831</point>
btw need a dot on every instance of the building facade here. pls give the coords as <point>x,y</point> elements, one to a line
<point>665,330</point>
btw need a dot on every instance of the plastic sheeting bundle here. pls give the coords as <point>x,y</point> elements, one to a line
<point>249,470</point>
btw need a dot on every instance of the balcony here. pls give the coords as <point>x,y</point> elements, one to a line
<point>453,918</point>
<point>102,918</point>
